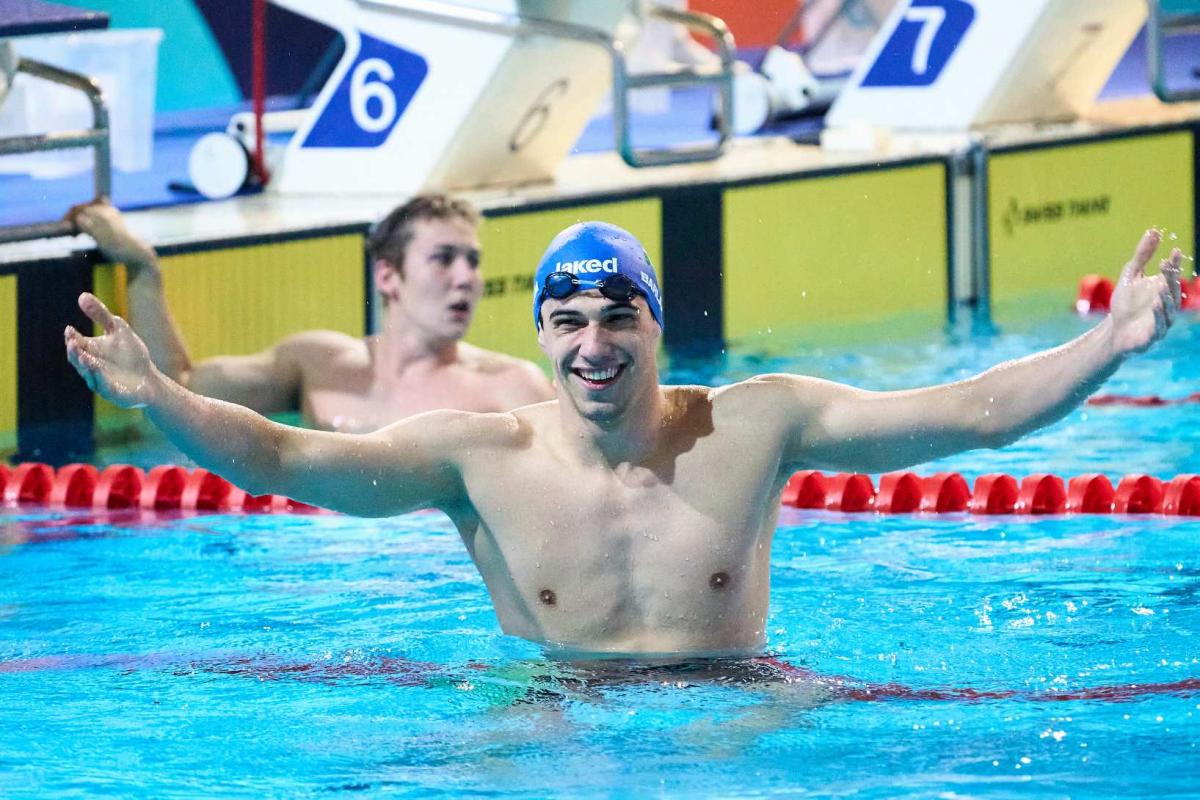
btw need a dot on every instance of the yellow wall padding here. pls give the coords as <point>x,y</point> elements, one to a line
<point>1059,213</point>
<point>835,251</point>
<point>8,360</point>
<point>244,299</point>
<point>512,245</point>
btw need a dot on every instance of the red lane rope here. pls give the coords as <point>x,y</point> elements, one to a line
<point>174,488</point>
<point>1142,400</point>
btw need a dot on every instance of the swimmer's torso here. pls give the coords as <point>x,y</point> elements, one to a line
<point>671,556</point>
<point>343,389</point>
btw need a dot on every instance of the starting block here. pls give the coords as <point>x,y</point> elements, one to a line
<point>433,94</point>
<point>956,65</point>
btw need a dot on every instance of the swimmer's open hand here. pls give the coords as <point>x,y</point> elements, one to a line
<point>116,364</point>
<point>1144,306</point>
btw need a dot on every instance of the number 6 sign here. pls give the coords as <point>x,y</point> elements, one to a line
<point>418,102</point>
<point>375,91</point>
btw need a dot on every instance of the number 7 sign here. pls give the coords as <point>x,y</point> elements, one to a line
<point>921,45</point>
<point>954,65</point>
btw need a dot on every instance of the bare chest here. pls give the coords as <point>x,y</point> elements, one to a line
<point>347,395</point>
<point>643,560</point>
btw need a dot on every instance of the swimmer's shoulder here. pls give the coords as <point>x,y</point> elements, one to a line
<point>459,436</point>
<point>315,347</point>
<point>525,381</point>
<point>491,362</point>
<point>480,429</point>
<point>764,397</point>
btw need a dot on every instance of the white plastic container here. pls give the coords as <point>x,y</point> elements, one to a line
<point>125,62</point>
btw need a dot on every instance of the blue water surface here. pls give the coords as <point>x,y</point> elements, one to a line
<point>947,656</point>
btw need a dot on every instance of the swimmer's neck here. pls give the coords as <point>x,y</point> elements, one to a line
<point>401,345</point>
<point>629,437</point>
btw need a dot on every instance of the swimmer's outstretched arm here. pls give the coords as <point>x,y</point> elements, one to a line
<point>404,467</point>
<point>833,426</point>
<point>268,382</point>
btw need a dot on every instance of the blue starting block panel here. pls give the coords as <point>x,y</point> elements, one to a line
<point>30,17</point>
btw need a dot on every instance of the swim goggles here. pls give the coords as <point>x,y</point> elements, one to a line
<point>564,284</point>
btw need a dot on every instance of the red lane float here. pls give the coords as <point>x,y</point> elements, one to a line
<point>851,493</point>
<point>805,490</point>
<point>1182,496</point>
<point>1190,294</point>
<point>169,488</point>
<point>1042,494</point>
<point>74,486</point>
<point>899,493</point>
<point>119,487</point>
<point>995,493</point>
<point>1139,494</point>
<point>1090,494</point>
<point>945,492</point>
<point>206,491</point>
<point>163,488</point>
<point>29,484</point>
<point>1095,295</point>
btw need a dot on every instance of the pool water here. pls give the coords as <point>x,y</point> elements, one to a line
<point>954,656</point>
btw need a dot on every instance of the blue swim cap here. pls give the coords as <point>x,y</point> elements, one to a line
<point>592,251</point>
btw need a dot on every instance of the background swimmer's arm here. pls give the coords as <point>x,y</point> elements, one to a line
<point>148,310</point>
<point>267,382</point>
<point>404,467</point>
<point>832,426</point>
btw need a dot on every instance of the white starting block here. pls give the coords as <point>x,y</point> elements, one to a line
<point>433,94</point>
<point>954,65</point>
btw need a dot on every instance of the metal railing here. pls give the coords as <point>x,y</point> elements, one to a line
<point>97,137</point>
<point>1161,24</point>
<point>623,82</point>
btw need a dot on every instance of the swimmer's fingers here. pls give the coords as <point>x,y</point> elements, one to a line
<point>83,215</point>
<point>1162,320</point>
<point>84,362</point>
<point>98,313</point>
<point>73,216</point>
<point>1171,268</point>
<point>1141,255</point>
